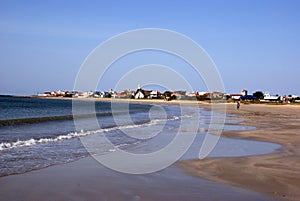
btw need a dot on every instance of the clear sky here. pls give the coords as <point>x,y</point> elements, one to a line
<point>254,44</point>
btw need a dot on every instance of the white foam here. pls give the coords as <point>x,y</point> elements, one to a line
<point>18,143</point>
<point>30,142</point>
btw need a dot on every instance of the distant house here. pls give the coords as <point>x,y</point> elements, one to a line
<point>124,94</point>
<point>140,94</point>
<point>155,94</point>
<point>69,94</point>
<point>216,95</point>
<point>248,98</point>
<point>296,99</point>
<point>120,95</point>
<point>84,94</point>
<point>235,97</point>
<point>105,94</point>
<point>192,94</point>
<point>270,98</point>
<point>244,92</point>
<point>203,93</point>
<point>179,94</point>
<point>129,93</point>
<point>96,94</point>
<point>168,96</point>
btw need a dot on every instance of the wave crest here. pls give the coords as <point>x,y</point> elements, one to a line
<point>30,142</point>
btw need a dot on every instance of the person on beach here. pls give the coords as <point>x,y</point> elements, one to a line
<point>238,105</point>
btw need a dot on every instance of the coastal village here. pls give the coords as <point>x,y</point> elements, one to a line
<point>139,93</point>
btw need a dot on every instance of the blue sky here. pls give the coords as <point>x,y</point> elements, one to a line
<point>254,44</point>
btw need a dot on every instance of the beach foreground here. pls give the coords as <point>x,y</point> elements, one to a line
<point>276,174</point>
<point>86,179</point>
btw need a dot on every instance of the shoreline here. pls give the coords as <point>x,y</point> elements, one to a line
<point>276,174</point>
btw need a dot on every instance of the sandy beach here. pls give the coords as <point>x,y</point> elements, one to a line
<point>276,174</point>
<point>149,100</point>
<point>264,177</point>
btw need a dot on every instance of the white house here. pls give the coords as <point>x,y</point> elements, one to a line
<point>155,94</point>
<point>139,94</point>
<point>268,97</point>
<point>244,92</point>
<point>235,96</point>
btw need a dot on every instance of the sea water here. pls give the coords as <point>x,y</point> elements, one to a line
<point>36,133</point>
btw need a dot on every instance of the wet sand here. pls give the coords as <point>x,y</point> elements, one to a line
<point>86,179</point>
<point>276,174</point>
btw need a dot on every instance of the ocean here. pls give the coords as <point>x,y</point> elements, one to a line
<point>36,133</point>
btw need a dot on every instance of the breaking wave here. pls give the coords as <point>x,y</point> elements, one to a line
<point>30,142</point>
